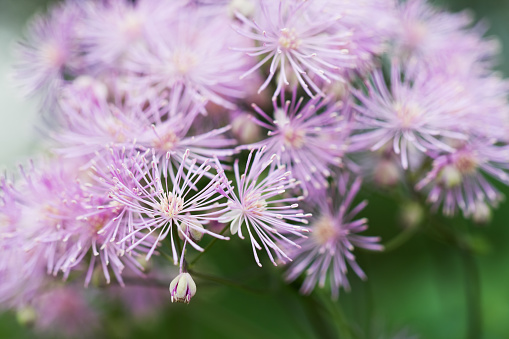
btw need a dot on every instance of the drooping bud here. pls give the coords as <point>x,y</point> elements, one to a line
<point>182,288</point>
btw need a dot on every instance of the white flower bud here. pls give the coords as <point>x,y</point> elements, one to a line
<point>194,231</point>
<point>450,176</point>
<point>245,130</point>
<point>482,213</point>
<point>182,288</point>
<point>26,315</point>
<point>386,173</point>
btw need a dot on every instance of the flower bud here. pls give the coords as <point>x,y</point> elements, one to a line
<point>411,214</point>
<point>26,315</point>
<point>195,232</point>
<point>482,213</point>
<point>386,173</point>
<point>450,176</point>
<point>244,129</point>
<point>245,7</point>
<point>182,288</point>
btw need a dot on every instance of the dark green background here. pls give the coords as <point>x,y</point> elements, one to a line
<point>419,287</point>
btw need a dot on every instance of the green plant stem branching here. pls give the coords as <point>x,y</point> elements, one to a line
<point>212,242</point>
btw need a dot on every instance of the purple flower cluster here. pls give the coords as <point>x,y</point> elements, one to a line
<point>156,109</point>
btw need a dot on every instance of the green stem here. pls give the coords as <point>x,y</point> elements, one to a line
<point>191,264</point>
<point>473,295</point>
<point>223,281</point>
<point>344,328</point>
<point>400,239</point>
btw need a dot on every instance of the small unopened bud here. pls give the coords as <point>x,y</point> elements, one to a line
<point>195,231</point>
<point>411,214</point>
<point>182,288</point>
<point>26,315</point>
<point>450,176</point>
<point>245,7</point>
<point>482,213</point>
<point>245,130</point>
<point>95,87</point>
<point>386,173</point>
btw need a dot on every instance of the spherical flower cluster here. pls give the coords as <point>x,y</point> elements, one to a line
<point>159,139</point>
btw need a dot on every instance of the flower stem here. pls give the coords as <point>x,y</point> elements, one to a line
<point>400,239</point>
<point>473,295</point>
<point>191,264</point>
<point>344,328</point>
<point>223,281</point>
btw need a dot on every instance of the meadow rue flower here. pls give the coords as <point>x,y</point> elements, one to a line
<point>457,179</point>
<point>427,36</point>
<point>113,28</point>
<point>194,54</point>
<point>308,138</point>
<point>334,236</point>
<point>66,310</point>
<point>416,110</point>
<point>49,52</point>
<point>182,288</point>
<point>259,206</point>
<point>165,204</point>
<point>90,124</point>
<point>299,35</point>
<point>367,40</point>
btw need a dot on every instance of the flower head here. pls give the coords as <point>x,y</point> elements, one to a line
<point>166,205</point>
<point>457,179</point>
<point>50,51</point>
<point>308,138</point>
<point>299,35</point>
<point>111,29</point>
<point>430,37</point>
<point>194,54</point>
<point>334,236</point>
<point>418,111</point>
<point>259,208</point>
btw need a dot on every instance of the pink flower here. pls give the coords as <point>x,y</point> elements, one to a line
<point>259,207</point>
<point>334,236</point>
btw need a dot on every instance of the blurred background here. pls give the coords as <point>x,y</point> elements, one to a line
<point>415,291</point>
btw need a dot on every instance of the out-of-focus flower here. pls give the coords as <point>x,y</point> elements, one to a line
<point>457,179</point>
<point>309,139</point>
<point>113,28</point>
<point>193,53</point>
<point>334,236</point>
<point>65,310</point>
<point>419,110</point>
<point>429,37</point>
<point>50,51</point>
<point>259,207</point>
<point>91,124</point>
